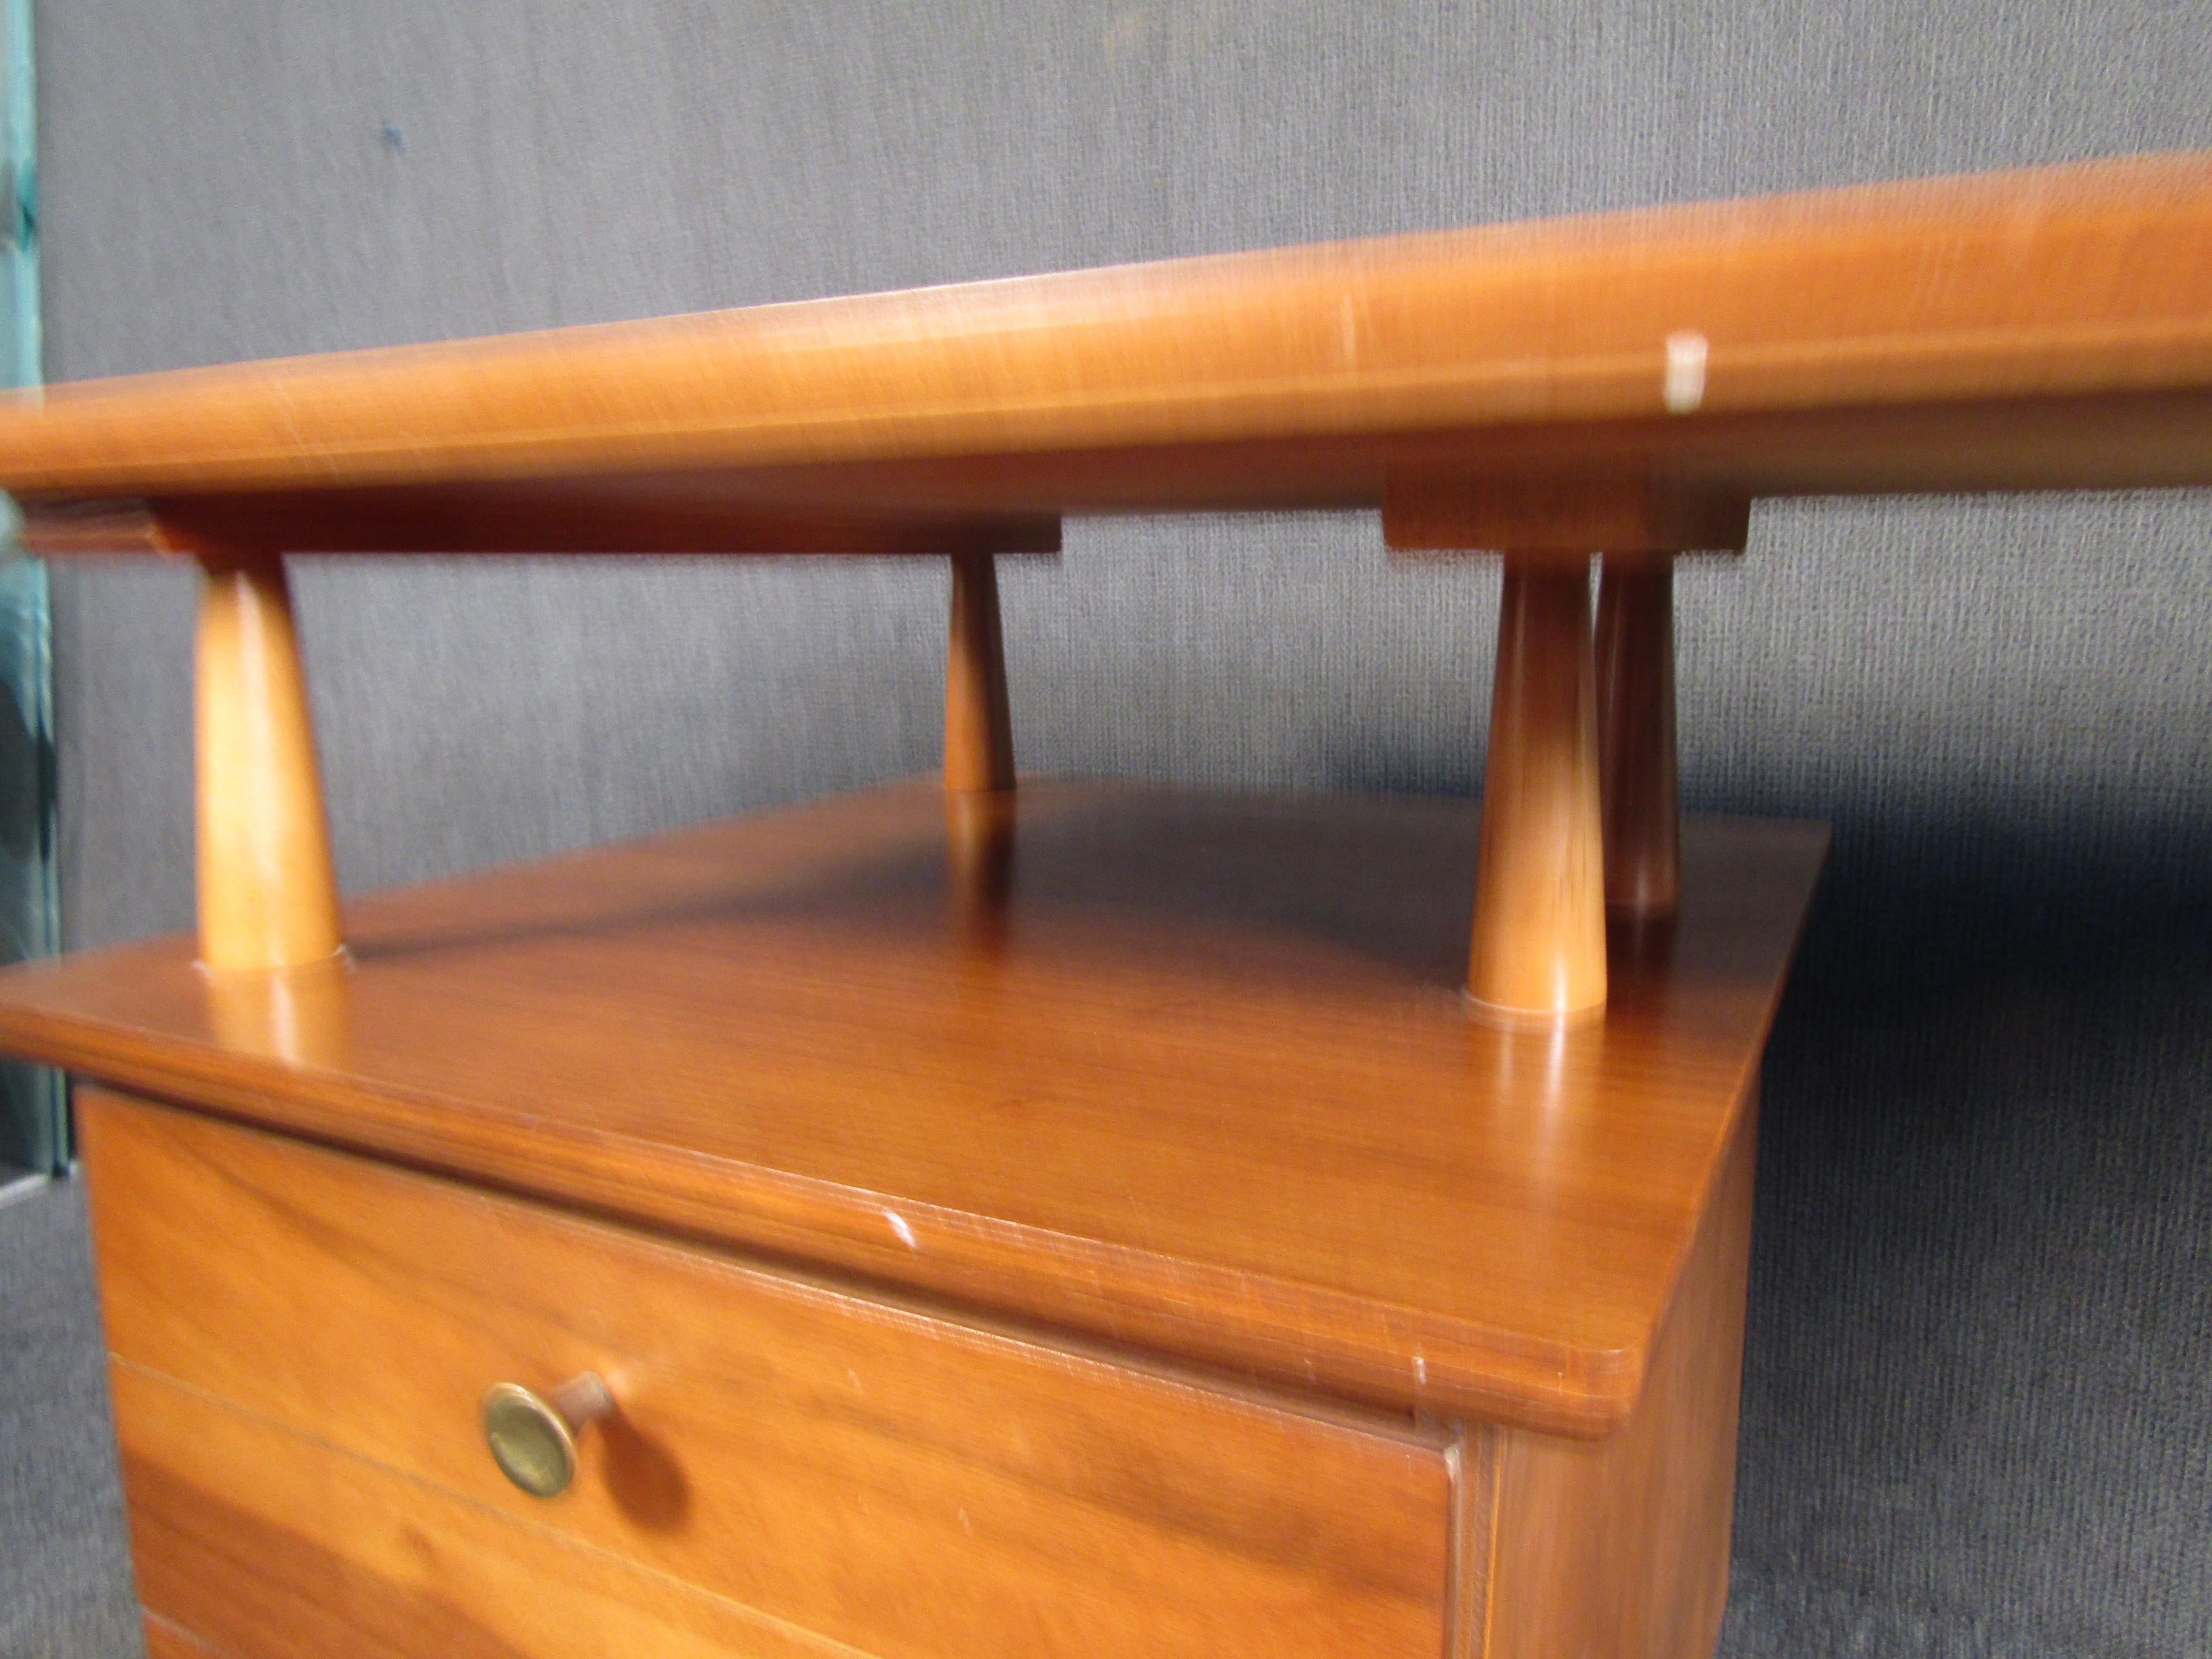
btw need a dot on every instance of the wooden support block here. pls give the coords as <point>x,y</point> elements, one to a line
<point>530,516</point>
<point>1539,947</point>
<point>979,739</point>
<point>1533,959</point>
<point>268,897</point>
<point>1637,767</point>
<point>1459,512</point>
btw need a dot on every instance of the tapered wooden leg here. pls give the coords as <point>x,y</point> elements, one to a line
<point>267,894</point>
<point>979,739</point>
<point>300,1016</point>
<point>1637,763</point>
<point>1539,949</point>
<point>979,842</point>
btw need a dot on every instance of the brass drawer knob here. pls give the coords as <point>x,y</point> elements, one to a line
<point>532,1436</point>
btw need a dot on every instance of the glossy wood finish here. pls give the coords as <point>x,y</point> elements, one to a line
<point>1436,1255</point>
<point>251,1542</point>
<point>1618,1549</point>
<point>541,517</point>
<point>2045,328</point>
<point>1197,1071</point>
<point>167,1640</point>
<point>979,735</point>
<point>892,1481</point>
<point>1538,956</point>
<point>268,893</point>
<point>1638,768</point>
<point>1453,510</point>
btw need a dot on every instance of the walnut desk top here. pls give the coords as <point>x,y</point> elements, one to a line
<point>2050,328</point>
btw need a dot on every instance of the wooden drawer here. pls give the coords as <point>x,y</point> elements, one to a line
<point>253,1540</point>
<point>301,1339</point>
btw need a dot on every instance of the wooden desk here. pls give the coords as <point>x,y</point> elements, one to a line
<point>957,1218</point>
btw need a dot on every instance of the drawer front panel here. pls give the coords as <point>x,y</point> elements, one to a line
<point>253,1542</point>
<point>898,1482</point>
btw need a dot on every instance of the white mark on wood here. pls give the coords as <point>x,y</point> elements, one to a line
<point>898,1225</point>
<point>1420,1368</point>
<point>1684,385</point>
<point>966,1526</point>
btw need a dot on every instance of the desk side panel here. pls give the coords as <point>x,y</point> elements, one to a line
<point>1617,1547</point>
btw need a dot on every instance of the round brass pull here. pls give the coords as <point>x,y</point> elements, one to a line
<point>532,1436</point>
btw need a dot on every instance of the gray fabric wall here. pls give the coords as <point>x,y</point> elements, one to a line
<point>1977,1403</point>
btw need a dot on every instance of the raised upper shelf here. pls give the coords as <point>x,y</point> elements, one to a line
<point>2040,329</point>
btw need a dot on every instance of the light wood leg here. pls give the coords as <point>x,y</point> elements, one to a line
<point>268,897</point>
<point>979,739</point>
<point>1539,948</point>
<point>1637,764</point>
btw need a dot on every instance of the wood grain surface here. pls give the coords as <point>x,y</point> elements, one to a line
<point>1618,1549</point>
<point>168,1640</point>
<point>897,1481</point>
<point>268,891</point>
<point>1189,1070</point>
<point>979,733</point>
<point>251,1542</point>
<point>1538,953</point>
<point>1638,763</point>
<point>584,515</point>
<point>2035,329</point>
<point>1449,509</point>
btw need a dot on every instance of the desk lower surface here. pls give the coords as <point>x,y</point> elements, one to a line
<point>1181,1069</point>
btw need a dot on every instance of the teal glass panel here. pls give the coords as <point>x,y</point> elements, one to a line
<point>32,1132</point>
<point>20,348</point>
<point>34,1124</point>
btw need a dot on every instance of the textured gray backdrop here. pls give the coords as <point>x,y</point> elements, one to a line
<point>1980,1382</point>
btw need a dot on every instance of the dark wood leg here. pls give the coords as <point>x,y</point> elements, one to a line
<point>978,740</point>
<point>1637,764</point>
